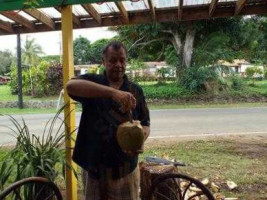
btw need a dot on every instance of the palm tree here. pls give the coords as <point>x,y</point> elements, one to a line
<point>31,52</point>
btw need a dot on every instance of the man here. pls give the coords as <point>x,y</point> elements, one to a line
<point>107,101</point>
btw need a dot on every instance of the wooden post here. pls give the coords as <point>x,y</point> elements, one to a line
<point>69,111</point>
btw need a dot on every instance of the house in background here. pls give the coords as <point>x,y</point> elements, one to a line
<point>4,80</point>
<point>150,69</point>
<point>83,69</point>
<point>238,66</point>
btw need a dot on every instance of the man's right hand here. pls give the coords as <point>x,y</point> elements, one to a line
<point>126,100</point>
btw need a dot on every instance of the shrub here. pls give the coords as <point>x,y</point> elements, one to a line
<point>237,83</point>
<point>38,81</point>
<point>197,79</point>
<point>55,79</point>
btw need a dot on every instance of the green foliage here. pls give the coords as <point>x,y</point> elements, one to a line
<point>31,53</point>
<point>164,73</point>
<point>54,59</point>
<point>171,56</point>
<point>162,91</point>
<point>253,71</point>
<point>197,79</point>
<point>35,155</point>
<point>81,50</point>
<point>54,76</point>
<point>32,3</point>
<point>265,73</point>
<point>96,50</point>
<point>38,81</point>
<point>237,83</point>
<point>6,59</point>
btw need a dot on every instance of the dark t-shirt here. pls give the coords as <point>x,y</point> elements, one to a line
<point>96,148</point>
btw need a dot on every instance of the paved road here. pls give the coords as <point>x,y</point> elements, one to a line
<point>169,123</point>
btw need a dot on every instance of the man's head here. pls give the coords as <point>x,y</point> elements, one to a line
<point>114,60</point>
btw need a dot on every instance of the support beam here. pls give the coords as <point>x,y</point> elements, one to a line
<point>41,17</point>
<point>239,6</point>
<point>69,111</point>
<point>123,11</point>
<point>212,7</point>
<point>6,26</point>
<point>92,11</point>
<point>180,9</point>
<point>75,19</point>
<point>20,99</point>
<point>152,9</point>
<point>19,19</point>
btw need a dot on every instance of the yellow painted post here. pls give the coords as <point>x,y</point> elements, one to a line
<point>68,72</point>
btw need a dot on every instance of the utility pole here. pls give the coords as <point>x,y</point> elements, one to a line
<point>20,99</point>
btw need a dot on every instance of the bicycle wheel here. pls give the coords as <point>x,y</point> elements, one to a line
<point>178,187</point>
<point>33,188</point>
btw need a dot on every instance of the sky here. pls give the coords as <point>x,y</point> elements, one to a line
<point>51,41</point>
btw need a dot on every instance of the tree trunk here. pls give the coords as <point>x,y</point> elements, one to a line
<point>188,46</point>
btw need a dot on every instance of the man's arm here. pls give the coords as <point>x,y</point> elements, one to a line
<point>89,89</point>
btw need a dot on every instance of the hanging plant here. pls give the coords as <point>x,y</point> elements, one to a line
<point>32,3</point>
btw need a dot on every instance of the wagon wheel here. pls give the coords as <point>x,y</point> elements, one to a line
<point>178,187</point>
<point>33,188</point>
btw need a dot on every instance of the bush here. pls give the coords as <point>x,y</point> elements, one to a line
<point>237,83</point>
<point>55,79</point>
<point>265,73</point>
<point>197,79</point>
<point>162,91</point>
<point>38,81</point>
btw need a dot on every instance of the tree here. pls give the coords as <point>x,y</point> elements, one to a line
<point>183,37</point>
<point>96,50</point>
<point>6,59</point>
<point>81,50</point>
<point>31,53</point>
<point>251,72</point>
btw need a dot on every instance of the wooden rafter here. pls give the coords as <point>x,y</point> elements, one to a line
<point>212,7</point>
<point>19,19</point>
<point>152,9</point>
<point>239,6</point>
<point>75,19</point>
<point>123,11</point>
<point>143,16</point>
<point>41,17</point>
<point>180,9</point>
<point>93,12</point>
<point>6,26</point>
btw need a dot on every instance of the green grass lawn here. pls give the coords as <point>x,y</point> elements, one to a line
<point>259,88</point>
<point>5,95</point>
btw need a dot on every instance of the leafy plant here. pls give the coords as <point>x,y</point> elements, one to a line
<point>253,72</point>
<point>237,83</point>
<point>197,79</point>
<point>36,155</point>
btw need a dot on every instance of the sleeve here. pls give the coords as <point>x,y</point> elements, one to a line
<point>88,77</point>
<point>144,116</point>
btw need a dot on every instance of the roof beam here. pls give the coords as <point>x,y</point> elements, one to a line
<point>92,11</point>
<point>6,26</point>
<point>239,6</point>
<point>41,17</point>
<point>180,9</point>
<point>212,7</point>
<point>123,11</point>
<point>75,19</point>
<point>19,19</point>
<point>152,9</point>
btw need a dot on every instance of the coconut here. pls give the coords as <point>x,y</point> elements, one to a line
<point>130,136</point>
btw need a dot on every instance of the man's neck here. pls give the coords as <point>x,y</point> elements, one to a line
<point>115,84</point>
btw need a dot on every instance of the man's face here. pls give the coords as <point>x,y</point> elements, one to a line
<point>115,63</point>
